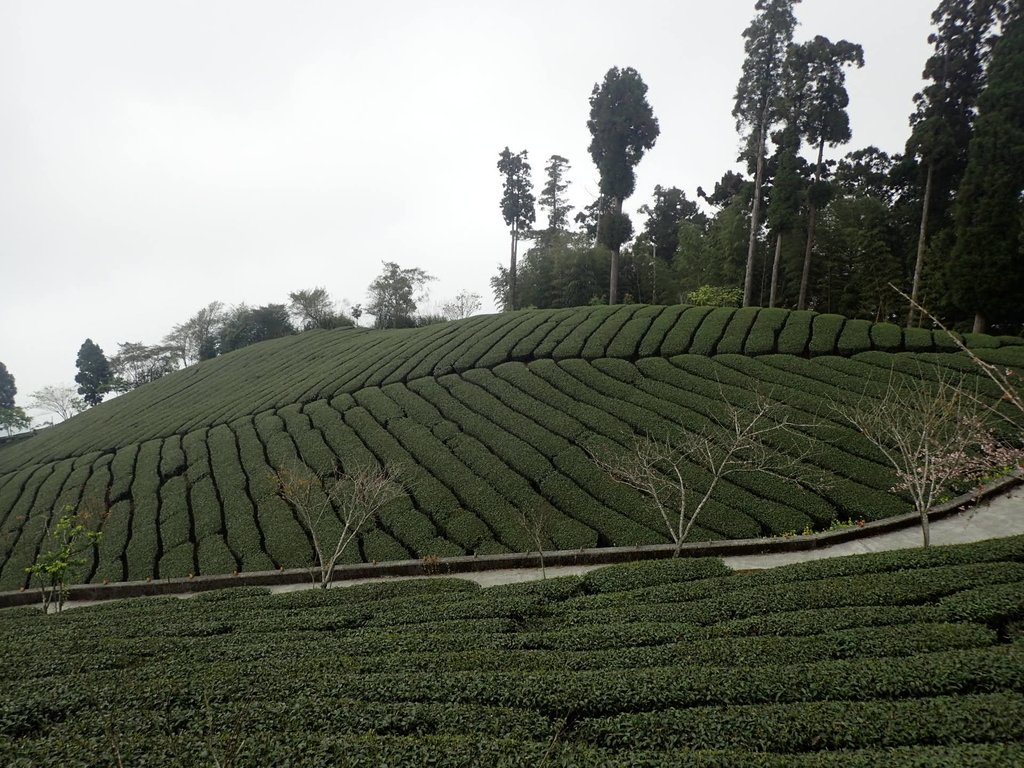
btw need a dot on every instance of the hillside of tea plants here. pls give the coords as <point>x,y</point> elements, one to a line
<point>486,416</point>
<point>912,658</point>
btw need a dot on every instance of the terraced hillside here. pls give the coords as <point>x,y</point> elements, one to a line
<point>487,415</point>
<point>900,659</point>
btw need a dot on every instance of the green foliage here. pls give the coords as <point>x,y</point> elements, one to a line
<point>7,388</point>
<point>391,296</point>
<point>621,578</point>
<point>517,202</point>
<point>57,565</point>
<point>985,273</point>
<point>136,364</point>
<point>244,325</point>
<point>825,334</point>
<point>14,419</point>
<point>94,375</point>
<point>489,413</point>
<point>796,333</point>
<point>899,658</point>
<point>661,230</point>
<point>623,127</point>
<point>552,197</point>
<point>715,296</point>
<point>314,308</point>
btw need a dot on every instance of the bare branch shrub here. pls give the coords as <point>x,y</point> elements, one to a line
<point>739,441</point>
<point>1004,378</point>
<point>335,506</point>
<point>536,521</point>
<point>934,434</point>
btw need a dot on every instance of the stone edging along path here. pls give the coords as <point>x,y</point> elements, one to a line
<point>471,564</point>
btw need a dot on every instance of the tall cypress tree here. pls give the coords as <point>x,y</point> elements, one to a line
<point>824,121</point>
<point>944,116</point>
<point>986,272</point>
<point>517,207</point>
<point>758,103</point>
<point>622,126</point>
<point>552,198</point>
<point>7,388</point>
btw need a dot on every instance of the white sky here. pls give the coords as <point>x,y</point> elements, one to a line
<point>156,156</point>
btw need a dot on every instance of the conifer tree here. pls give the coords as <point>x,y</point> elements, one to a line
<point>623,127</point>
<point>986,274</point>
<point>93,377</point>
<point>944,116</point>
<point>517,207</point>
<point>757,103</point>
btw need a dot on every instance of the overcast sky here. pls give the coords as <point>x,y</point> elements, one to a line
<point>156,156</point>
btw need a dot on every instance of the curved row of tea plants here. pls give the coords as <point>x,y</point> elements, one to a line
<point>476,448</point>
<point>320,365</point>
<point>896,659</point>
<point>487,417</point>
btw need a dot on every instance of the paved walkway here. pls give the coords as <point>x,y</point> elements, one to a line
<point>999,516</point>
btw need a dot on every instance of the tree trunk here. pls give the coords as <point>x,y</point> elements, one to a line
<point>748,280</point>
<point>805,277</point>
<point>613,279</point>
<point>980,325</point>
<point>925,534</point>
<point>920,245</point>
<point>775,270</point>
<point>512,270</point>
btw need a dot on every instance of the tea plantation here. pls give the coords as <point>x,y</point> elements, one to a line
<point>911,658</point>
<point>487,416</point>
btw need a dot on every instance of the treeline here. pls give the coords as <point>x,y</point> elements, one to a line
<point>941,221</point>
<point>217,329</point>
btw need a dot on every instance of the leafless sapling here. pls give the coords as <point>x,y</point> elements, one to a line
<point>335,506</point>
<point>933,432</point>
<point>738,440</point>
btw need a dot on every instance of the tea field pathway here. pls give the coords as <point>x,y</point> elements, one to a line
<point>997,517</point>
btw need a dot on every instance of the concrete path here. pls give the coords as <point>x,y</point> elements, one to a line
<point>994,518</point>
<point>997,517</point>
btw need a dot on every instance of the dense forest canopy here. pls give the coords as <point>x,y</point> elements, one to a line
<point>803,226</point>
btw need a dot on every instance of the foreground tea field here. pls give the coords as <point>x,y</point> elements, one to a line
<point>899,659</point>
<point>486,416</point>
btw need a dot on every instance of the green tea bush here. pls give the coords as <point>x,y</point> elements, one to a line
<point>818,726</point>
<point>656,334</point>
<point>762,336</point>
<point>572,345</point>
<point>503,349</point>
<point>825,334</point>
<point>598,342</point>
<point>679,339</point>
<point>796,333</point>
<point>526,348</point>
<point>886,337</point>
<point>711,331</point>
<point>627,341</point>
<point>620,578</point>
<point>918,340</point>
<point>855,337</point>
<point>567,325</point>
<point>734,337</point>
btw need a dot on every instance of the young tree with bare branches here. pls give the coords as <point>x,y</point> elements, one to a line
<point>335,506</point>
<point>59,399</point>
<point>934,433</point>
<point>537,521</point>
<point>739,441</point>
